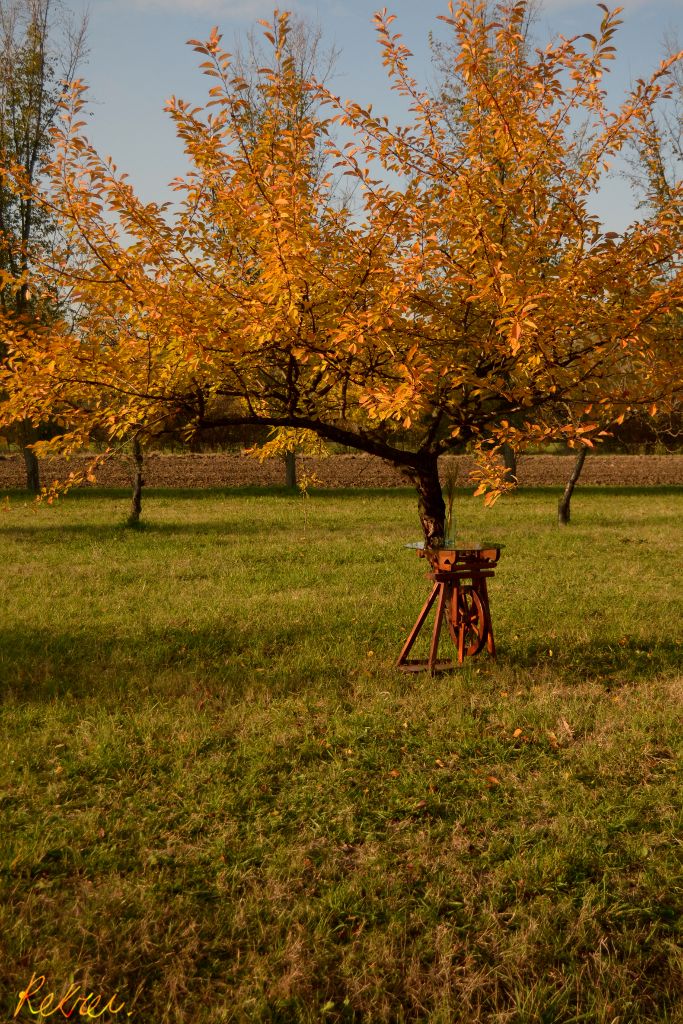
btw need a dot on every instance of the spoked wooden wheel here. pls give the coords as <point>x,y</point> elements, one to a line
<point>467,621</point>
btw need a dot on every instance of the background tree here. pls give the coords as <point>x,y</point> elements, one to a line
<point>41,42</point>
<point>465,307</point>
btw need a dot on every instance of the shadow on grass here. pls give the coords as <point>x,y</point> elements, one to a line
<point>50,532</point>
<point>612,491</point>
<point>150,494</point>
<point>40,665</point>
<point>629,660</point>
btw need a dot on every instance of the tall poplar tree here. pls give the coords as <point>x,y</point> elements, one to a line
<point>41,43</point>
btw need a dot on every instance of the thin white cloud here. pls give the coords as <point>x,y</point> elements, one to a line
<point>568,6</point>
<point>239,8</point>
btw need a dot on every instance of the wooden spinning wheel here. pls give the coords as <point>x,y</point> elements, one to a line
<point>465,605</point>
<point>467,621</point>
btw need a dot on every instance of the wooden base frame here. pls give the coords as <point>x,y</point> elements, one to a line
<point>461,595</point>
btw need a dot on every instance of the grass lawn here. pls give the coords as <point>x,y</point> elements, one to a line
<point>219,799</point>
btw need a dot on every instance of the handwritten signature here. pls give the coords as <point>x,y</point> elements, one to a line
<point>89,1003</point>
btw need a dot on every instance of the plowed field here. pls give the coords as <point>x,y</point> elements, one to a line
<point>343,470</point>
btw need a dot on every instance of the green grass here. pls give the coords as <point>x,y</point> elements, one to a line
<point>218,798</point>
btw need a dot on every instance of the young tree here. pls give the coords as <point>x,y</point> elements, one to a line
<point>40,42</point>
<point>468,306</point>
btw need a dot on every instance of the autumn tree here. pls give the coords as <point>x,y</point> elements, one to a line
<point>467,305</point>
<point>40,42</point>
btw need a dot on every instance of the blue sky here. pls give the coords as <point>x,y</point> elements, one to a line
<point>139,57</point>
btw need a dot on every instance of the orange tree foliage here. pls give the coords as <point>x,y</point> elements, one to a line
<point>472,304</point>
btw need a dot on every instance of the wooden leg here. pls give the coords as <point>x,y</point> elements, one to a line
<point>483,590</point>
<point>440,608</point>
<point>461,629</point>
<point>418,626</point>
<point>452,614</point>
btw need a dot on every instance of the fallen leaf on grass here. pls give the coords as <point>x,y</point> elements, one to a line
<point>516,733</point>
<point>440,763</point>
<point>394,772</point>
<point>421,803</point>
<point>494,780</point>
<point>567,728</point>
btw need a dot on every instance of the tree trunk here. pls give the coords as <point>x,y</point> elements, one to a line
<point>430,506</point>
<point>32,470</point>
<point>136,506</point>
<point>290,468</point>
<point>27,434</point>
<point>563,506</point>
<point>510,463</point>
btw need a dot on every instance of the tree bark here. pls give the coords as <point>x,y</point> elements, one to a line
<point>290,469</point>
<point>563,506</point>
<point>510,463</point>
<point>32,470</point>
<point>430,505</point>
<point>136,506</point>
